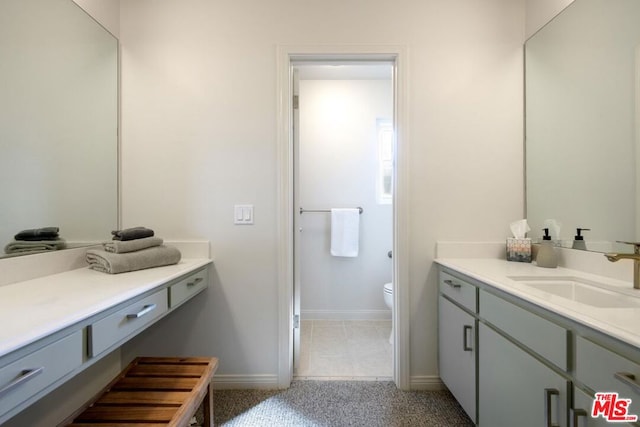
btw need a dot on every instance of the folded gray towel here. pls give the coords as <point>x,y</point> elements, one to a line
<point>32,246</point>
<point>132,233</point>
<point>45,233</point>
<point>124,246</point>
<point>112,263</point>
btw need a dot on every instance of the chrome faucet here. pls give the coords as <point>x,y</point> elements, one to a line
<point>635,256</point>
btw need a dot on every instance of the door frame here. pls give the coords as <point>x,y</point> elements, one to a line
<point>286,54</point>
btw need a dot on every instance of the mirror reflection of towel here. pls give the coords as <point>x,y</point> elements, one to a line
<point>34,246</point>
<point>45,233</point>
<point>345,232</point>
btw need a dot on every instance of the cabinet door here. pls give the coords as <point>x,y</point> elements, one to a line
<point>514,388</point>
<point>457,354</point>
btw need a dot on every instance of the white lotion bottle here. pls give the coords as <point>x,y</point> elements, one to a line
<point>547,256</point>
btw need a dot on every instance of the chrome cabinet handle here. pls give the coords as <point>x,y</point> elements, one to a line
<point>628,379</point>
<point>465,345</point>
<point>452,283</point>
<point>548,393</point>
<point>24,376</point>
<point>575,414</point>
<point>145,310</point>
<point>195,282</point>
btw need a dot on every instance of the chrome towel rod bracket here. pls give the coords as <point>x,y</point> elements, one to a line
<point>302,210</point>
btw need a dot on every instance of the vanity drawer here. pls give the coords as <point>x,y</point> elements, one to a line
<point>604,371</point>
<point>116,327</point>
<point>458,290</point>
<point>540,335</point>
<point>33,373</point>
<point>187,288</point>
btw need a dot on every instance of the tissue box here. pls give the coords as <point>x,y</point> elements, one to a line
<point>518,249</point>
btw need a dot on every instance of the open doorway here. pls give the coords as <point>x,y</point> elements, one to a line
<point>288,214</point>
<point>344,144</point>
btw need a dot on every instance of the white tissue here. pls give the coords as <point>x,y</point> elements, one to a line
<point>554,228</point>
<point>519,228</point>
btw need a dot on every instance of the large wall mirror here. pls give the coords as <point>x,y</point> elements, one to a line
<point>58,122</point>
<point>583,124</point>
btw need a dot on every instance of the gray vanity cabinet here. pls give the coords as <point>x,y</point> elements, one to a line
<point>457,340</point>
<point>457,354</point>
<point>35,369</point>
<point>516,388</point>
<point>533,367</point>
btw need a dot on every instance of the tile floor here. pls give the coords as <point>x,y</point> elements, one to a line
<point>345,349</point>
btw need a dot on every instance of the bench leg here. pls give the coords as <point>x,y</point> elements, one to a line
<point>208,407</point>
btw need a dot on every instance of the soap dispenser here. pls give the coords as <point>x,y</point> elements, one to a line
<point>547,256</point>
<point>578,240</point>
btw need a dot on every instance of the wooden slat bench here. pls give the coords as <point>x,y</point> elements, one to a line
<point>153,392</point>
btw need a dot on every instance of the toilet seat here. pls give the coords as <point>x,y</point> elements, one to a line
<point>388,288</point>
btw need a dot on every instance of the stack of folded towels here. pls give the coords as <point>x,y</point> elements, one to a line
<point>132,249</point>
<point>35,240</point>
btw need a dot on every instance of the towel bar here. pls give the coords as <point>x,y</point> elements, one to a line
<point>302,210</point>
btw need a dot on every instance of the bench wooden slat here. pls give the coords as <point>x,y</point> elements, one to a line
<point>137,414</point>
<point>152,383</point>
<point>167,370</point>
<point>144,397</point>
<point>178,360</point>
<point>117,425</point>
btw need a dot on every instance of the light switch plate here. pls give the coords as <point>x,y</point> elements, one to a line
<point>243,214</point>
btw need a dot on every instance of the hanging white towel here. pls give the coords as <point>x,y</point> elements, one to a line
<point>345,232</point>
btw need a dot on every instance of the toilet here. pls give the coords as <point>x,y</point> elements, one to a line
<point>388,299</point>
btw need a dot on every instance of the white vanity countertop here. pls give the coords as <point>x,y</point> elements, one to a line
<point>36,308</point>
<point>621,323</point>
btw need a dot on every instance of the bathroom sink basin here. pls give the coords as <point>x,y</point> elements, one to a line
<point>580,291</point>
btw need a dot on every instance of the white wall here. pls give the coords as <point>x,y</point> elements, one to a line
<point>539,12</point>
<point>106,12</point>
<point>199,135</point>
<point>338,160</point>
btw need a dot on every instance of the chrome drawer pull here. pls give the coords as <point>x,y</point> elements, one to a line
<point>195,282</point>
<point>465,345</point>
<point>25,376</point>
<point>146,310</point>
<point>575,414</point>
<point>452,283</point>
<point>548,393</point>
<point>628,379</point>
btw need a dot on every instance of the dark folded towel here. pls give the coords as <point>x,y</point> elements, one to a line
<point>28,247</point>
<point>120,247</point>
<point>132,233</point>
<point>45,233</point>
<point>109,262</point>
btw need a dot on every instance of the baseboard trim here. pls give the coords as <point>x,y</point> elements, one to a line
<point>427,383</point>
<point>228,382</point>
<point>345,314</point>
